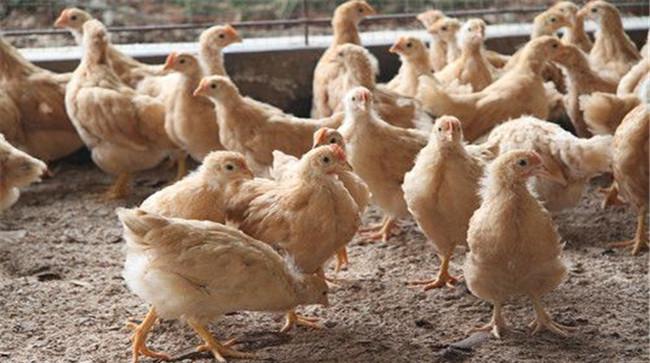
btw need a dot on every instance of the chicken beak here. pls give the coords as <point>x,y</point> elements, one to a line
<point>583,13</point>
<point>169,63</point>
<point>345,166</point>
<point>396,48</point>
<point>233,34</point>
<point>62,20</point>
<point>546,173</point>
<point>201,89</point>
<point>371,10</point>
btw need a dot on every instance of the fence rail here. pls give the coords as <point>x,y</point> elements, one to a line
<point>306,22</point>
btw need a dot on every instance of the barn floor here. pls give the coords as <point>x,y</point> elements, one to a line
<point>62,298</point>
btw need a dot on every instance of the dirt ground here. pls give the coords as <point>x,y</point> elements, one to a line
<point>62,298</point>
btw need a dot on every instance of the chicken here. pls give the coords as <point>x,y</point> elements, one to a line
<point>415,62</point>
<point>548,23</point>
<point>471,67</point>
<point>603,112</point>
<point>283,166</point>
<point>397,110</point>
<point>129,70</point>
<point>630,164</point>
<point>211,44</point>
<point>309,214</point>
<point>575,29</point>
<point>380,154</point>
<point>632,81</point>
<point>198,271</point>
<point>514,247</point>
<point>190,121</point>
<point>17,170</point>
<point>255,130</point>
<point>124,131</point>
<point>475,25</point>
<point>613,50</point>
<point>328,75</point>
<point>441,192</point>
<point>572,161</point>
<point>202,194</point>
<point>445,29</point>
<point>32,102</point>
<point>437,47</point>
<point>581,79</point>
<point>519,92</point>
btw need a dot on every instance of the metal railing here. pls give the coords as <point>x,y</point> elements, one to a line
<point>307,23</point>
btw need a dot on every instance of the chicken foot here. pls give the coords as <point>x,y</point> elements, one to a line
<point>640,240</point>
<point>544,321</point>
<point>181,167</point>
<point>294,319</point>
<point>139,337</point>
<point>443,278</point>
<point>611,196</point>
<point>341,259</point>
<point>219,351</point>
<point>120,188</point>
<point>496,326</point>
<point>381,231</point>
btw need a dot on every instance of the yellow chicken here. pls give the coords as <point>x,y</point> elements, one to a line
<point>328,74</point>
<point>603,112</point>
<point>633,80</point>
<point>212,41</point>
<point>471,67</point>
<point>581,79</point>
<point>441,192</point>
<point>613,50</point>
<point>124,130</point>
<point>202,195</point>
<point>283,167</point>
<point>630,163</point>
<point>32,102</point>
<point>190,121</point>
<point>310,214</point>
<point>519,92</point>
<point>415,62</point>
<point>514,246</point>
<point>575,29</point>
<point>437,47</point>
<point>572,161</point>
<point>396,109</point>
<point>255,130</point>
<point>198,271</point>
<point>380,154</point>
<point>446,29</point>
<point>17,170</point>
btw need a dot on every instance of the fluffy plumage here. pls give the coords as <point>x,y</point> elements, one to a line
<point>575,31</point>
<point>17,170</point>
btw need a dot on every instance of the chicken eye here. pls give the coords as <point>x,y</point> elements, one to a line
<point>440,129</point>
<point>360,10</point>
<point>326,159</point>
<point>554,45</point>
<point>230,167</point>
<point>182,61</point>
<point>444,28</point>
<point>522,162</point>
<point>409,45</point>
<point>593,10</point>
<point>222,35</point>
<point>73,18</point>
<point>354,98</point>
<point>213,85</point>
<point>553,20</point>
<point>332,141</point>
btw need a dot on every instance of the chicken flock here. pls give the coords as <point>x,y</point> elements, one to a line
<point>461,139</point>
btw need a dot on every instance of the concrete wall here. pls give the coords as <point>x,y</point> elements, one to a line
<point>283,77</point>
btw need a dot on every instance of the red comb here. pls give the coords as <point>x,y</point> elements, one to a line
<point>319,135</point>
<point>338,152</point>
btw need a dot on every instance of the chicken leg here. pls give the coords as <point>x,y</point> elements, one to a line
<point>443,278</point>
<point>181,169</point>
<point>341,259</point>
<point>640,240</point>
<point>496,326</point>
<point>544,321</point>
<point>120,188</point>
<point>381,231</point>
<point>140,336</point>
<point>219,351</point>
<point>611,196</point>
<point>294,319</point>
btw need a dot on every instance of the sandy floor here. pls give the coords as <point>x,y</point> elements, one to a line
<point>62,298</point>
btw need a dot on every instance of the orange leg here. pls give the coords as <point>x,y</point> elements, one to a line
<point>219,351</point>
<point>544,322</point>
<point>119,189</point>
<point>384,231</point>
<point>496,326</point>
<point>443,278</point>
<point>294,319</point>
<point>341,259</point>
<point>640,240</point>
<point>140,336</point>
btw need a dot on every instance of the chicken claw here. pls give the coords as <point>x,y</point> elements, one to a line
<point>611,196</point>
<point>119,189</point>
<point>220,351</point>
<point>140,336</point>
<point>294,319</point>
<point>341,259</point>
<point>640,240</point>
<point>443,278</point>
<point>544,321</point>
<point>496,326</point>
<point>181,170</point>
<point>384,231</point>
